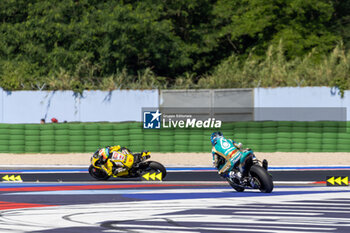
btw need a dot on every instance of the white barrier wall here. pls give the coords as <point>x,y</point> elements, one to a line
<point>126,105</point>
<point>322,101</point>
<point>92,106</point>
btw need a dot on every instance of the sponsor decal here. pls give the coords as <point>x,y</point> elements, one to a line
<point>155,120</point>
<point>118,156</point>
<point>225,144</point>
<point>151,119</point>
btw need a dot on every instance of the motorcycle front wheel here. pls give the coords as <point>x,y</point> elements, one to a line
<point>97,173</point>
<point>157,167</point>
<point>263,178</point>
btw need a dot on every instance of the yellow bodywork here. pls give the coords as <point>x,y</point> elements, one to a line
<point>127,162</point>
<point>114,148</point>
<point>107,167</point>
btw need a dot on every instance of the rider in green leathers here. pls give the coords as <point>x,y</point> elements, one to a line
<point>231,153</point>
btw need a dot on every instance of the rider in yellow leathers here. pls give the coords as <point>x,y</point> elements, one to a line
<point>116,160</point>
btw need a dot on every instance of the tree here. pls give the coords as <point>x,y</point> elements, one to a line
<point>255,24</point>
<point>340,23</point>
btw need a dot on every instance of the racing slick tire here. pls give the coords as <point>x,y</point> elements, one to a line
<point>263,177</point>
<point>98,174</point>
<point>158,167</point>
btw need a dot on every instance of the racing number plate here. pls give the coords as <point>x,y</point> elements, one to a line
<point>118,156</point>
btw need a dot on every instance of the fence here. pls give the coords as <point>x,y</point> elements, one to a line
<point>260,136</point>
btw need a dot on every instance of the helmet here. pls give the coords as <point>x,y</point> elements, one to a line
<point>104,152</point>
<point>214,137</point>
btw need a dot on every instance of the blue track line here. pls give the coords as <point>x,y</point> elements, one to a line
<point>174,169</point>
<point>10,171</point>
<point>228,194</point>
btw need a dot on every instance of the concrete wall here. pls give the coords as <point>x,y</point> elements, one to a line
<point>234,104</point>
<point>289,103</point>
<point>118,105</point>
<point>301,104</point>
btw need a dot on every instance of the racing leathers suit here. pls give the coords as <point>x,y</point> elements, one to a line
<point>230,151</point>
<point>119,161</point>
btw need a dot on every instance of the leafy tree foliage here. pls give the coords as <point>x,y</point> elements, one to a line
<point>340,22</point>
<point>256,24</point>
<point>90,44</point>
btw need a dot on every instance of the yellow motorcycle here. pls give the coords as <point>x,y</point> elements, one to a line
<point>137,164</point>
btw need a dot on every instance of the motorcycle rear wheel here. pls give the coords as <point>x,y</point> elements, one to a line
<point>157,167</point>
<point>97,173</point>
<point>265,180</point>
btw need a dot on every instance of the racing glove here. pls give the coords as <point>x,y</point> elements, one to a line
<point>106,170</point>
<point>238,145</point>
<point>145,154</point>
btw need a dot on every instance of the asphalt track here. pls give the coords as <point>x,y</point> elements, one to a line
<point>198,200</point>
<point>78,174</point>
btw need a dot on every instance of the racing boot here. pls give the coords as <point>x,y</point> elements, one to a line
<point>235,175</point>
<point>119,171</point>
<point>265,164</point>
<point>244,179</point>
<point>244,169</point>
